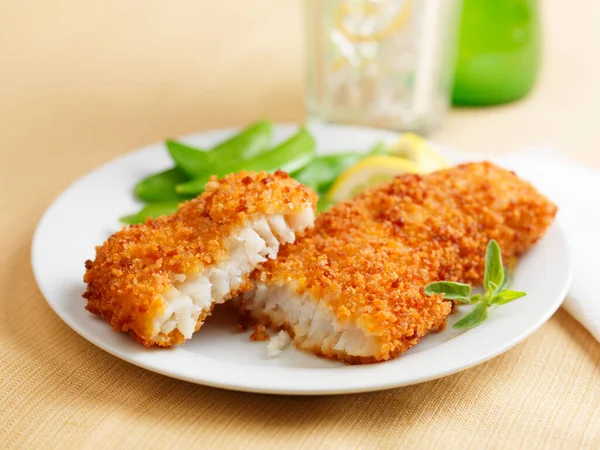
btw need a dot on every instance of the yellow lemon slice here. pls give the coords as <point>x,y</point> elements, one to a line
<point>369,172</point>
<point>415,149</point>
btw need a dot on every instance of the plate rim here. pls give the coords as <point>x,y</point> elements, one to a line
<point>557,227</point>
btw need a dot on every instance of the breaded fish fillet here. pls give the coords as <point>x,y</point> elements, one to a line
<point>352,287</point>
<point>159,280</point>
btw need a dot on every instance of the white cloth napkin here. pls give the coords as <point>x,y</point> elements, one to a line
<point>573,187</point>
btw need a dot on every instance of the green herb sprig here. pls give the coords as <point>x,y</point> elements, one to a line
<point>495,282</point>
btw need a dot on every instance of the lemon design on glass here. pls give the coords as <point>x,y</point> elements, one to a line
<point>351,16</point>
<point>359,24</point>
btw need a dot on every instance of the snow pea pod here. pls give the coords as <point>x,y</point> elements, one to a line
<point>161,186</point>
<point>289,156</point>
<point>318,176</point>
<point>189,160</point>
<point>322,171</point>
<point>324,203</point>
<point>247,144</point>
<point>380,148</point>
<point>152,210</point>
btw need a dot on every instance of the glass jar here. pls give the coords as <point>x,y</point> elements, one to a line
<point>381,63</point>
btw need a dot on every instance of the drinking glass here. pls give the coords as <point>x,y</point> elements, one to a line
<point>381,63</point>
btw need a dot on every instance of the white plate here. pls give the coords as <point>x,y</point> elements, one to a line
<point>86,214</point>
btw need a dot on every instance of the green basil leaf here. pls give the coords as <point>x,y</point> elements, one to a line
<point>494,272</point>
<point>474,318</point>
<point>452,291</point>
<point>507,296</point>
<point>507,279</point>
<point>475,298</point>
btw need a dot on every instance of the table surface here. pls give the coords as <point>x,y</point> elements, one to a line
<point>83,82</point>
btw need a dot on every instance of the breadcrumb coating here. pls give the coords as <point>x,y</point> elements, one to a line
<point>136,266</point>
<point>259,333</point>
<point>369,259</point>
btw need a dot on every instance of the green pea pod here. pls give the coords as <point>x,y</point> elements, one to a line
<point>324,203</point>
<point>161,186</point>
<point>151,210</point>
<point>380,148</point>
<point>322,171</point>
<point>247,144</point>
<point>346,160</point>
<point>290,156</point>
<point>189,160</point>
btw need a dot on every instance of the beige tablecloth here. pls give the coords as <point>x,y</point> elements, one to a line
<point>83,82</point>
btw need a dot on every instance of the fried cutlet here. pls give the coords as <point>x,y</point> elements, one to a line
<point>159,280</point>
<point>352,287</point>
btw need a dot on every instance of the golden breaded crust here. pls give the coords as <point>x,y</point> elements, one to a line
<point>134,267</point>
<point>370,258</point>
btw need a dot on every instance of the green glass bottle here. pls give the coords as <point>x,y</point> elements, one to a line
<point>499,51</point>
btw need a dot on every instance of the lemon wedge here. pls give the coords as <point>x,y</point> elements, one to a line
<point>415,149</point>
<point>369,172</point>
